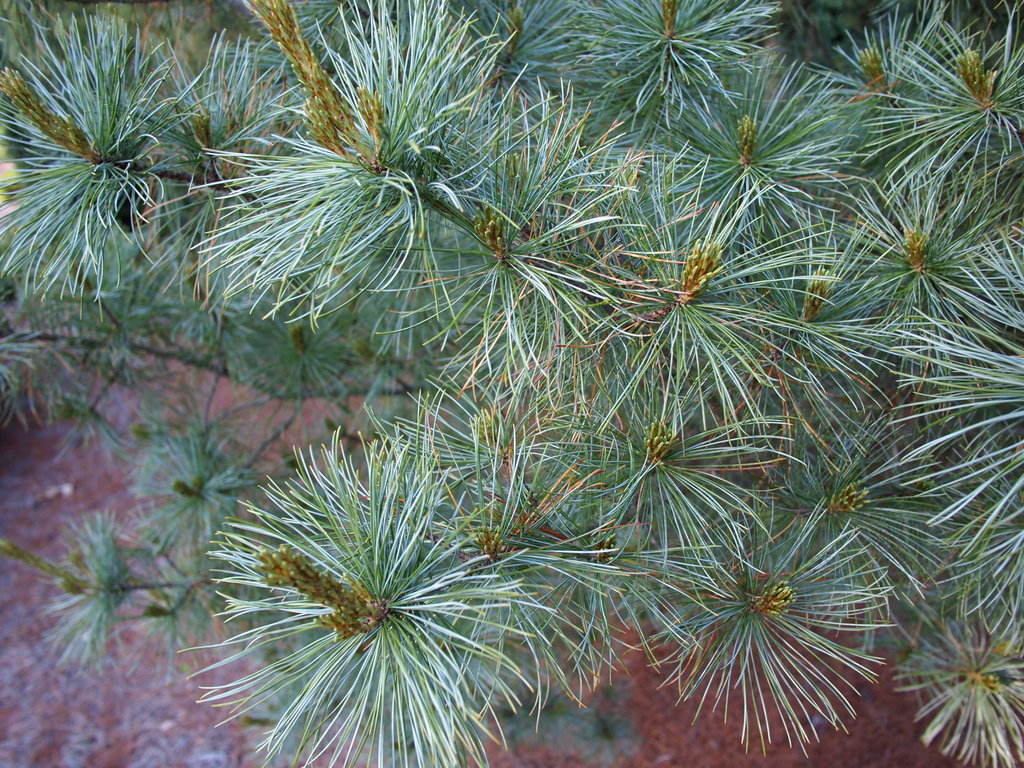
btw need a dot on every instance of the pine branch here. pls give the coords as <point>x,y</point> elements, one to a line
<point>209,178</point>
<point>182,356</point>
<point>69,581</point>
<point>723,352</point>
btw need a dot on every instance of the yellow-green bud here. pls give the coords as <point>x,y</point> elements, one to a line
<point>328,118</point>
<point>490,228</point>
<point>669,11</point>
<point>747,139</point>
<point>61,130</point>
<point>915,248</point>
<point>978,80</point>
<point>819,291</point>
<point>703,263</point>
<point>661,439</point>
<point>870,60</point>
<point>354,610</point>
<point>850,499</point>
<point>775,600</point>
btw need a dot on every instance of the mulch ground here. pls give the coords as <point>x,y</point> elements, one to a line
<point>135,713</point>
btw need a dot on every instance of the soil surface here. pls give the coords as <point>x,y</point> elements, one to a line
<point>133,714</point>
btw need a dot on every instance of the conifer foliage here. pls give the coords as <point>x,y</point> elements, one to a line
<point>551,328</point>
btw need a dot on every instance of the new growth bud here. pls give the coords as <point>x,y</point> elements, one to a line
<point>704,262</point>
<point>819,291</point>
<point>987,681</point>
<point>669,11</point>
<point>747,139</point>
<point>69,582</point>
<point>485,426</point>
<point>774,601</point>
<point>371,109</point>
<point>915,248</point>
<point>328,118</point>
<point>490,543</point>
<point>354,611</point>
<point>200,123</point>
<point>850,499</point>
<point>515,21</point>
<point>870,60</point>
<point>60,130</point>
<point>605,548</point>
<point>661,439</point>
<point>490,228</point>
<point>978,80</point>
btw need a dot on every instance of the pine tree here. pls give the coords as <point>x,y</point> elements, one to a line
<point>645,319</point>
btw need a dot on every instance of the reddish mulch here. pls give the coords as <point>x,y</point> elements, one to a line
<point>884,735</point>
<point>131,714</point>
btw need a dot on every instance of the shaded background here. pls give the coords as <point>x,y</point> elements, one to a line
<point>139,710</point>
